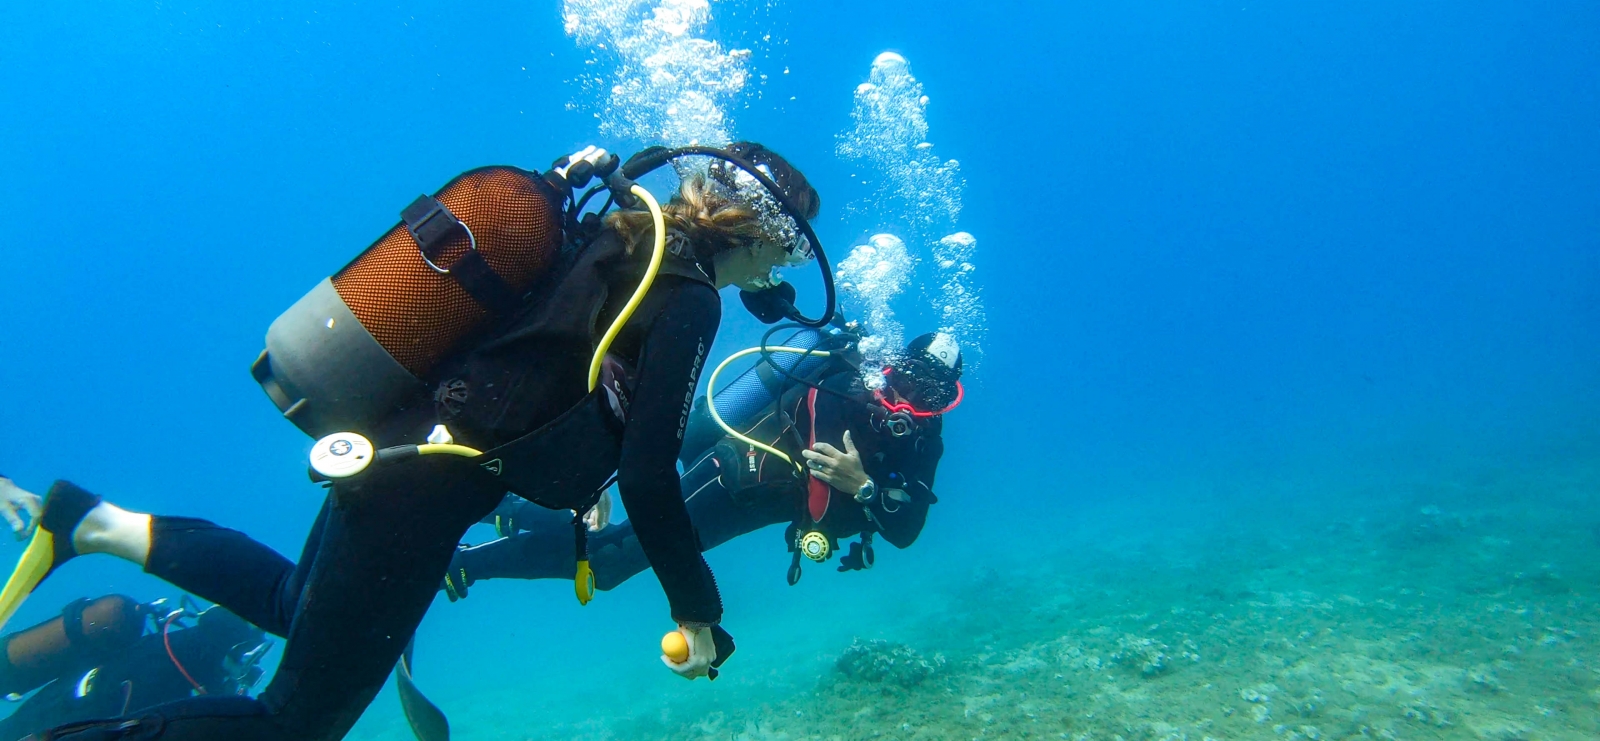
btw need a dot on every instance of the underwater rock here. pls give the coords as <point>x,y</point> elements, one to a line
<point>881,661</point>
<point>1148,656</point>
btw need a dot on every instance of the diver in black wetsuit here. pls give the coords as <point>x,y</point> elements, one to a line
<point>111,655</point>
<point>871,458</point>
<point>372,562</point>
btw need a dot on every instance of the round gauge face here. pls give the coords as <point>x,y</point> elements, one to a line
<point>341,455</point>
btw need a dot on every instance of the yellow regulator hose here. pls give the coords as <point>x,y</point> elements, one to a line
<point>440,449</point>
<point>656,256</point>
<point>711,395</point>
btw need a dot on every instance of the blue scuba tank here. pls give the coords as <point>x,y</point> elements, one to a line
<point>753,390</point>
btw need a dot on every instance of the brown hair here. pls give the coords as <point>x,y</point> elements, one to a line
<point>713,222</point>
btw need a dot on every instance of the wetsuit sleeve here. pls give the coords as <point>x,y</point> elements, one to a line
<point>672,356</point>
<point>900,522</point>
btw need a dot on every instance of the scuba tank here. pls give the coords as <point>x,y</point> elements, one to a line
<point>84,634</point>
<point>758,387</point>
<point>363,339</point>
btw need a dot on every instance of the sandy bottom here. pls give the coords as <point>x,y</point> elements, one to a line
<point>1465,610</point>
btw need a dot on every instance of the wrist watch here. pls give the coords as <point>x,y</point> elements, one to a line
<point>867,492</point>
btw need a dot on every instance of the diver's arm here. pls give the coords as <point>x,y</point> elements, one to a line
<point>901,508</point>
<point>673,355</point>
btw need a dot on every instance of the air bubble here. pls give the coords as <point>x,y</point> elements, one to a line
<point>668,84</point>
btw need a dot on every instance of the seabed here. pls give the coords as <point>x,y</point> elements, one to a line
<point>1458,610</point>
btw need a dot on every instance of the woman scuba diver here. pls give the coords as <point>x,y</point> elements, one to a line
<point>870,457</point>
<point>373,560</point>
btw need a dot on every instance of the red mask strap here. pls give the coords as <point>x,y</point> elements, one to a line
<point>906,407</point>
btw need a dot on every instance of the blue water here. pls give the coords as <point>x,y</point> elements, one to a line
<point>1221,245</point>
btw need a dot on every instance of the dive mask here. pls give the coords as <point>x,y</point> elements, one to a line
<point>925,389</point>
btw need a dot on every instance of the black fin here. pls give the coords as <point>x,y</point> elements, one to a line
<point>427,721</point>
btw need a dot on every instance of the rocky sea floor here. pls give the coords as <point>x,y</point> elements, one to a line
<point>1434,611</point>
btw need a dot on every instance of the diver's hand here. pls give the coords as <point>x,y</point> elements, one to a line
<point>599,516</point>
<point>703,653</point>
<point>840,470</point>
<point>14,501</point>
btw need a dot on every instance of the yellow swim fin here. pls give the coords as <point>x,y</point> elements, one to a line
<point>33,567</point>
<point>65,506</point>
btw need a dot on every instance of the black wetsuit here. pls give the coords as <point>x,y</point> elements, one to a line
<point>373,561</point>
<point>92,677</point>
<point>725,505</point>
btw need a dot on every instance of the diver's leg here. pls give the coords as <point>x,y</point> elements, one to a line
<point>229,568</point>
<point>385,542</point>
<point>546,550</point>
<point>542,550</point>
<point>515,513</point>
<point>385,545</point>
<point>217,564</point>
<point>615,553</point>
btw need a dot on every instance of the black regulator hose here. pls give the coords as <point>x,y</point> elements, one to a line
<point>652,158</point>
<point>766,356</point>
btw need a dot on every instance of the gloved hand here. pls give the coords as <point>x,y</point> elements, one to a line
<point>709,646</point>
<point>456,581</point>
<point>505,518</point>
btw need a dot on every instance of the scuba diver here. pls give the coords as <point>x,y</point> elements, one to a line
<point>498,339</point>
<point>870,457</point>
<point>111,655</point>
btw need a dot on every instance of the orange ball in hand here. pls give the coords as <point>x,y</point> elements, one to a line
<point>675,647</point>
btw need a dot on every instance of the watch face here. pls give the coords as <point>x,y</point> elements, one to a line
<point>866,491</point>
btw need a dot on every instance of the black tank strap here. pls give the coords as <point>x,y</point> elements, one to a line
<point>434,227</point>
<point>484,285</point>
<point>72,620</point>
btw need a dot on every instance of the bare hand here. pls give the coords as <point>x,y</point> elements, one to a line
<point>599,516</point>
<point>840,470</point>
<point>702,651</point>
<point>16,501</point>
